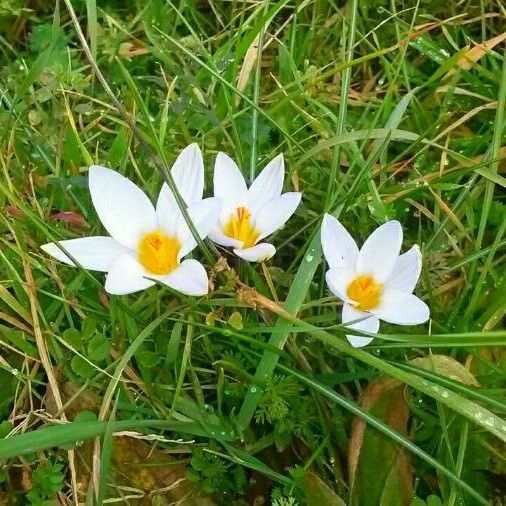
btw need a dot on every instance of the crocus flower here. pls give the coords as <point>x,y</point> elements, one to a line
<point>376,282</point>
<point>145,243</point>
<point>250,214</point>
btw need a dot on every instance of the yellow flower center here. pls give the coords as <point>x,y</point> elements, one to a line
<point>158,252</point>
<point>365,292</point>
<point>239,227</point>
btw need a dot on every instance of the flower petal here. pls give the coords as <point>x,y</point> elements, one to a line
<point>338,280</point>
<point>367,322</point>
<point>123,208</point>
<point>402,308</point>
<point>125,276</point>
<point>93,253</point>
<point>275,213</point>
<point>257,253</point>
<point>167,211</point>
<point>189,278</point>
<point>267,185</point>
<point>380,251</point>
<point>188,174</point>
<point>203,215</point>
<point>339,247</point>
<point>406,270</point>
<point>229,183</point>
<point>216,235</point>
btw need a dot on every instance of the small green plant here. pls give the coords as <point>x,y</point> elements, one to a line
<point>280,393</point>
<point>211,474</point>
<point>47,479</point>
<point>432,500</point>
<point>279,499</point>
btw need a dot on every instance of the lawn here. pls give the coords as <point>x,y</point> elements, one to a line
<point>132,375</point>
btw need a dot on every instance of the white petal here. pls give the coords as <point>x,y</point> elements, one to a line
<point>93,253</point>
<point>167,211</point>
<point>257,253</point>
<point>338,280</point>
<point>367,322</point>
<point>229,183</point>
<point>188,174</point>
<point>276,213</point>
<point>267,185</point>
<point>406,270</point>
<point>216,235</point>
<point>123,208</point>
<point>380,251</point>
<point>339,247</point>
<point>189,278</point>
<point>126,275</point>
<point>402,308</point>
<point>203,215</point>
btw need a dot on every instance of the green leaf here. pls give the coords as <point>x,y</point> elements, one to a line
<point>98,348</point>
<point>85,416</point>
<point>318,493</point>
<point>173,346</point>
<point>148,359</point>
<point>81,367</point>
<point>391,482</point>
<point>74,338</point>
<point>71,152</point>
<point>91,11</point>
<point>434,500</point>
<point>446,366</point>
<point>76,432</point>
<point>5,428</point>
<point>235,320</point>
<point>118,152</point>
<point>392,134</point>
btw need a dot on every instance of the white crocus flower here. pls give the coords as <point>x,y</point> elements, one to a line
<point>250,214</point>
<point>376,282</point>
<point>146,244</point>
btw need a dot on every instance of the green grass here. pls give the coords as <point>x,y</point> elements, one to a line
<point>384,110</point>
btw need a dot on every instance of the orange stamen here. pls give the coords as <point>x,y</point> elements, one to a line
<point>365,292</point>
<point>239,227</point>
<point>158,252</point>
